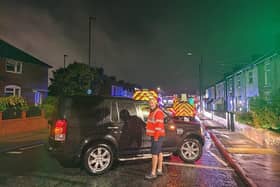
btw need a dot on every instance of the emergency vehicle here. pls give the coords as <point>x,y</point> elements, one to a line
<point>145,94</point>
<point>183,108</point>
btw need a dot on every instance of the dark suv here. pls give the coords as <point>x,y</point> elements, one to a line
<point>96,131</point>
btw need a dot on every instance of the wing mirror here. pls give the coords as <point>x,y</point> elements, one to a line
<point>166,120</point>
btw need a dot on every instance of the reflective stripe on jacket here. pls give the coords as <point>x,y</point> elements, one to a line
<point>155,124</point>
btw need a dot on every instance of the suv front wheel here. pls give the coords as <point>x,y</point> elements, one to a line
<point>190,150</point>
<point>98,159</point>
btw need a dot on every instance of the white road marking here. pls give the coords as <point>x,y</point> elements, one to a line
<point>197,166</point>
<point>214,155</point>
<point>30,147</point>
<point>14,152</point>
<point>225,136</point>
<point>217,158</point>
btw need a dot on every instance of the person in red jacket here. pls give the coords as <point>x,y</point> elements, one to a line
<point>155,129</point>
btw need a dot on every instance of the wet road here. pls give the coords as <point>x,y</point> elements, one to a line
<point>34,167</point>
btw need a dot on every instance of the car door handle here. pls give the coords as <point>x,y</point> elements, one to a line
<point>114,127</point>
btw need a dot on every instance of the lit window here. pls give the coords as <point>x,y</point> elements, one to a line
<point>38,98</point>
<point>238,81</point>
<point>13,66</point>
<point>12,90</point>
<point>230,91</point>
<point>267,74</point>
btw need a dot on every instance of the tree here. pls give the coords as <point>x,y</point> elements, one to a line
<point>76,79</point>
<point>98,81</point>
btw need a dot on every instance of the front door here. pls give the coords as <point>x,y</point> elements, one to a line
<point>143,110</point>
<point>132,128</point>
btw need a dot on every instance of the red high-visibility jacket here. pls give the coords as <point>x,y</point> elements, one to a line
<point>155,124</point>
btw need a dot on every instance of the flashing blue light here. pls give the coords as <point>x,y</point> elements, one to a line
<point>89,91</point>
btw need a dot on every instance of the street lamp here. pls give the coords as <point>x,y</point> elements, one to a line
<point>64,61</point>
<point>200,79</point>
<point>91,18</point>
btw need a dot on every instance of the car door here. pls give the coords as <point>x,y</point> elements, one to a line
<point>130,140</point>
<point>143,111</point>
<point>95,118</point>
<point>170,140</point>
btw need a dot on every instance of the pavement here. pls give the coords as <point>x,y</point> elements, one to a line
<point>12,142</point>
<point>256,165</point>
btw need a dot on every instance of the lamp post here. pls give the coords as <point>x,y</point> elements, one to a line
<point>200,82</point>
<point>200,77</point>
<point>64,61</point>
<point>91,18</point>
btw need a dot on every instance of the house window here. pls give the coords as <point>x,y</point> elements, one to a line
<point>12,90</point>
<point>250,77</point>
<point>230,91</point>
<point>267,74</point>
<point>13,66</point>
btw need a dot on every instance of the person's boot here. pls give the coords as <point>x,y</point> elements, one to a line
<point>150,176</point>
<point>159,173</point>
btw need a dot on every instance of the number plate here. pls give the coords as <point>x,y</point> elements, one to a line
<point>186,119</point>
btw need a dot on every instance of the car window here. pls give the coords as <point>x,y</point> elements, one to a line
<point>127,106</point>
<point>144,111</point>
<point>104,111</point>
<point>92,111</point>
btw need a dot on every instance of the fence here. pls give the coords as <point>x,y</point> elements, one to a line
<point>22,124</point>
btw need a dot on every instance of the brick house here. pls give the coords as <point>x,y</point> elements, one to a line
<point>22,74</point>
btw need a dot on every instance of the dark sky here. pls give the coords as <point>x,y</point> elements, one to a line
<point>147,41</point>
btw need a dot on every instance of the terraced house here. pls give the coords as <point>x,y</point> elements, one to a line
<point>268,74</point>
<point>22,74</point>
<point>259,78</point>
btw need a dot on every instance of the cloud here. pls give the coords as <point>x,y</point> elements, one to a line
<point>143,41</point>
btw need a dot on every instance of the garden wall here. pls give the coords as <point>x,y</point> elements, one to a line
<point>22,125</point>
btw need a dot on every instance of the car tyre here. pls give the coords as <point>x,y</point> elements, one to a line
<point>190,150</point>
<point>98,159</point>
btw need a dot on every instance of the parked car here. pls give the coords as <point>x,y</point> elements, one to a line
<point>95,131</point>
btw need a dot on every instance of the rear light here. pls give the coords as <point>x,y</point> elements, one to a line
<point>60,130</point>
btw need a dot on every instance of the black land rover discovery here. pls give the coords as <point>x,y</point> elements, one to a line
<point>95,131</point>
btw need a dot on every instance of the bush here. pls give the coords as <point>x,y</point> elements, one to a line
<point>266,114</point>
<point>246,118</point>
<point>12,106</point>
<point>11,113</point>
<point>33,111</point>
<point>15,102</point>
<point>3,107</point>
<point>50,106</point>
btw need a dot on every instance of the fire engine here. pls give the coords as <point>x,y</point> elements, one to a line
<point>182,107</point>
<point>145,94</point>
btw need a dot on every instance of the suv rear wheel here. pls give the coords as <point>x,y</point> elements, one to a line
<point>190,150</point>
<point>98,159</point>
